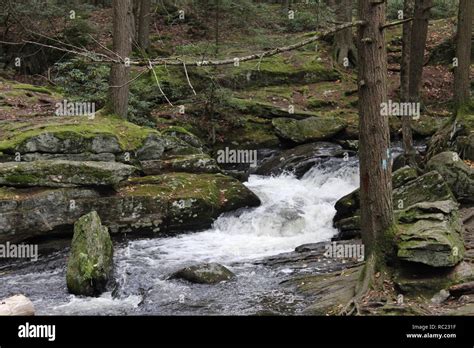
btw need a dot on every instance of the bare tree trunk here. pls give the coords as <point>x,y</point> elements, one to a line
<point>374,139</point>
<point>419,34</point>
<point>409,150</point>
<point>144,25</point>
<point>463,53</point>
<point>122,45</point>
<point>343,41</point>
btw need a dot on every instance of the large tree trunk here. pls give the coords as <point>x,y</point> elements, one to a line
<point>343,40</point>
<point>144,25</point>
<point>374,140</point>
<point>463,52</point>
<point>122,45</point>
<point>417,47</point>
<point>409,150</point>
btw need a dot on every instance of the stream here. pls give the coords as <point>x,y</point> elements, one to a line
<point>293,212</point>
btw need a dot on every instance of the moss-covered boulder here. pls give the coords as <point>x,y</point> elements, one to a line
<point>403,175</point>
<point>59,173</point>
<point>458,175</point>
<point>72,135</point>
<point>199,163</point>
<point>309,129</point>
<point>156,146</point>
<point>433,242</point>
<point>207,273</point>
<point>249,132</point>
<point>430,187</point>
<point>69,142</point>
<point>151,206</point>
<point>189,201</point>
<point>426,126</point>
<point>90,262</point>
<point>411,194</point>
<point>297,67</point>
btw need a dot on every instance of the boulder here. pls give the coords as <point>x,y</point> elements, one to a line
<point>69,142</point>
<point>458,175</point>
<point>300,159</point>
<point>59,173</point>
<point>347,207</point>
<point>149,205</point>
<point>431,242</point>
<point>199,163</point>
<point>309,129</point>
<point>403,175</point>
<point>207,273</point>
<point>157,146</point>
<point>90,263</point>
<point>18,305</point>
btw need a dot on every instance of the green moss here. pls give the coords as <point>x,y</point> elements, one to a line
<point>129,135</point>
<point>31,88</point>
<point>21,179</point>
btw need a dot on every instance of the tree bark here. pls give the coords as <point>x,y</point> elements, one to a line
<point>122,45</point>
<point>407,133</point>
<point>419,34</point>
<point>463,53</point>
<point>343,40</point>
<point>144,25</point>
<point>374,137</point>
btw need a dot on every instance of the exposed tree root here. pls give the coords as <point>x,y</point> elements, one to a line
<point>366,280</point>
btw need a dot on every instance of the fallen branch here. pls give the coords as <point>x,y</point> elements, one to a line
<point>393,24</point>
<point>104,58</point>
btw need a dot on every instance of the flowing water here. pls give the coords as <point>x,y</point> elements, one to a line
<point>293,212</point>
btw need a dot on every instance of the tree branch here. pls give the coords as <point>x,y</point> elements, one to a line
<point>393,24</point>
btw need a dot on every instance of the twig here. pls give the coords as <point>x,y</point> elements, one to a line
<point>187,77</point>
<point>158,83</point>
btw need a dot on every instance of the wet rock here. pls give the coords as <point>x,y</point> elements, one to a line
<point>309,129</point>
<point>300,159</point>
<point>59,173</point>
<point>90,262</point>
<point>207,273</point>
<point>331,291</point>
<point>458,175</point>
<point>348,228</point>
